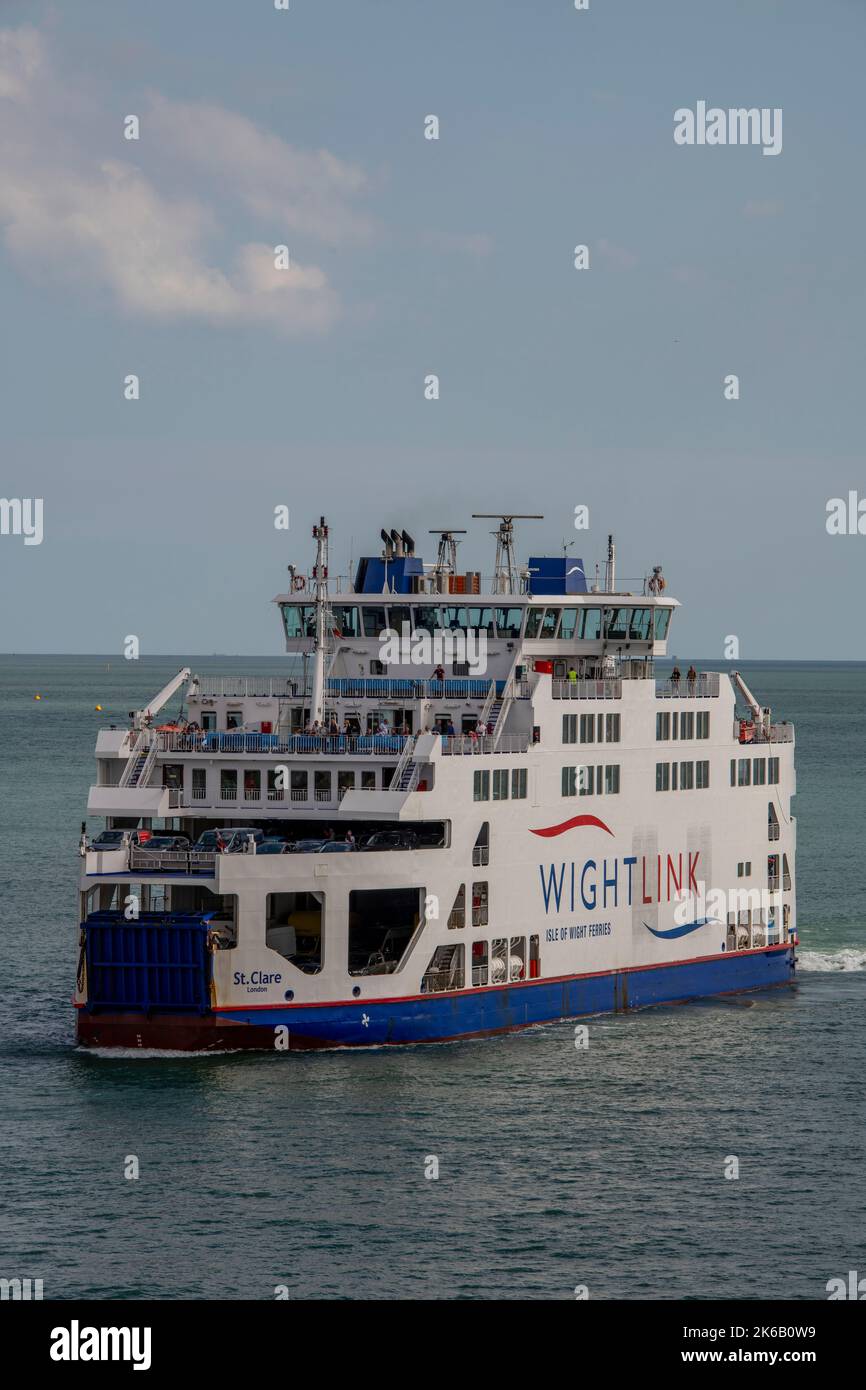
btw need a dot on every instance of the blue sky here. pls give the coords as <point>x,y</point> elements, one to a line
<point>558,387</point>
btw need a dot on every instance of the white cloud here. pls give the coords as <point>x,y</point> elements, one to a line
<point>299,190</point>
<point>72,216</point>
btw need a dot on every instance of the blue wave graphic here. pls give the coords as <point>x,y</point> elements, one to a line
<point>683,931</point>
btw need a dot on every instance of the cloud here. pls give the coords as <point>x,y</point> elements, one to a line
<point>71,216</point>
<point>298,190</point>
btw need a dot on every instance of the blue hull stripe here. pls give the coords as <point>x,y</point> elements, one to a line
<point>467,1013</point>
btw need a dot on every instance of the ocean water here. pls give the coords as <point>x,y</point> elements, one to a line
<point>557,1168</point>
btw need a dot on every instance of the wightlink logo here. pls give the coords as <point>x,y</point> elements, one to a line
<point>417,647</point>
<point>736,126</point>
<point>634,878</point>
<point>77,1343</point>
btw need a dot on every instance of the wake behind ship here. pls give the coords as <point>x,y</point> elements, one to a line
<point>472,807</point>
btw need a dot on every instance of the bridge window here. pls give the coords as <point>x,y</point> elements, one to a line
<point>589,627</point>
<point>616,624</point>
<point>375,621</point>
<point>456,618</point>
<point>346,622</point>
<point>508,621</point>
<point>640,627</point>
<point>551,622</point>
<point>568,624</point>
<point>482,620</point>
<point>398,614</point>
<point>299,620</point>
<point>533,621</point>
<point>662,623</point>
<point>428,617</point>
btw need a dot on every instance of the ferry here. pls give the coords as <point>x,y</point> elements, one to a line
<point>465,806</point>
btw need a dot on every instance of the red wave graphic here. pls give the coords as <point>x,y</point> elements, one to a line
<point>549,830</point>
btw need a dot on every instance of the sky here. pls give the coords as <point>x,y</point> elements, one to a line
<point>558,388</point>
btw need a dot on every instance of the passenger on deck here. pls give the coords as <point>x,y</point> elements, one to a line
<point>675,678</point>
<point>450,730</point>
<point>438,673</point>
<point>691,677</point>
<point>572,676</point>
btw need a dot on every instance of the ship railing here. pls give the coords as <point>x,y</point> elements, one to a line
<point>171,861</point>
<point>607,688</point>
<point>462,744</point>
<point>704,686</point>
<point>384,688</point>
<point>246,687</point>
<point>748,733</point>
<point>289,745</point>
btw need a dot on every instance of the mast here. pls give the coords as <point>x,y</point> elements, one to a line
<point>320,580</point>
<point>504,578</point>
<point>610,567</point>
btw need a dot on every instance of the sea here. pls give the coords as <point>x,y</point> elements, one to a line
<point>709,1150</point>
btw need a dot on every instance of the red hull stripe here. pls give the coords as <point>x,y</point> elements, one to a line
<point>548,830</point>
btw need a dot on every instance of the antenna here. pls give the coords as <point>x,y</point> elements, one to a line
<point>506,564</point>
<point>446,555</point>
